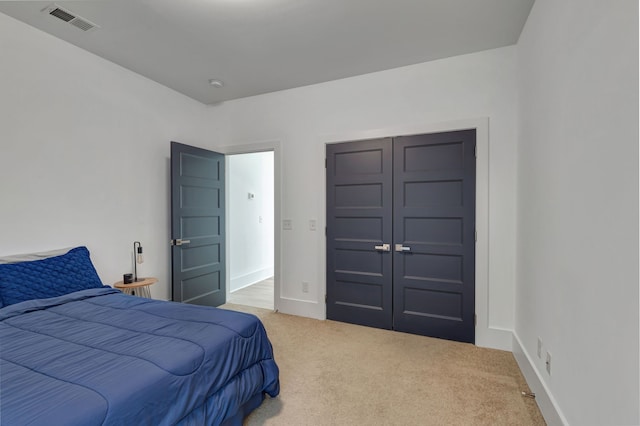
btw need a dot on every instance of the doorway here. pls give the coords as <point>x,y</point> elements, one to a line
<point>401,233</point>
<point>251,205</point>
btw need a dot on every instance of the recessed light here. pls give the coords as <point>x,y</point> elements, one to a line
<point>216,83</point>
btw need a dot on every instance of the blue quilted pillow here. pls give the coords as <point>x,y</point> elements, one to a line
<point>51,277</point>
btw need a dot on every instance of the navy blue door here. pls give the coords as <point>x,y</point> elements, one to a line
<point>401,234</point>
<point>359,228</point>
<point>434,235</point>
<point>197,226</point>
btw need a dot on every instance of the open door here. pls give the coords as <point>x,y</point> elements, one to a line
<point>197,226</point>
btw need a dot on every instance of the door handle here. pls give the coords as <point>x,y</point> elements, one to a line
<point>400,247</point>
<point>384,247</point>
<point>179,242</point>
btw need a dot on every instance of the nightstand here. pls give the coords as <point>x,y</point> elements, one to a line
<point>138,288</point>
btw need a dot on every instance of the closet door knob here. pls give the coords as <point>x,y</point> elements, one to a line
<point>400,247</point>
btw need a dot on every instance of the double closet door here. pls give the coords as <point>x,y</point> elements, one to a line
<point>401,234</point>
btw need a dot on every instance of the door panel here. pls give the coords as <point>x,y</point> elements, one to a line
<point>359,207</point>
<point>434,217</point>
<point>197,216</point>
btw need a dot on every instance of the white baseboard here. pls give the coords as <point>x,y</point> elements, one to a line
<point>494,338</point>
<point>301,308</point>
<point>237,283</point>
<point>545,400</point>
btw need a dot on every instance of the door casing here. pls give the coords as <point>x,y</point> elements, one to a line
<point>275,146</point>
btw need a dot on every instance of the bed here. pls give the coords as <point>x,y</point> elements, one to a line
<point>75,352</point>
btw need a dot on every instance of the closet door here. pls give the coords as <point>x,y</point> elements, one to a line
<point>359,227</point>
<point>401,234</point>
<point>434,235</point>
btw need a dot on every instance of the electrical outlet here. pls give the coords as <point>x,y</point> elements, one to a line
<point>305,287</point>
<point>312,225</point>
<point>539,348</point>
<point>287,224</point>
<point>548,363</point>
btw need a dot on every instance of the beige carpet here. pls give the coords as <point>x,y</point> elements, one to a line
<point>333,373</point>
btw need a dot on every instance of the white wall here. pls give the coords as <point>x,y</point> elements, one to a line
<point>578,208</point>
<point>412,99</point>
<point>250,221</point>
<point>84,154</point>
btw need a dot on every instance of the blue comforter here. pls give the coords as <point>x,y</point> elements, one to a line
<point>98,357</point>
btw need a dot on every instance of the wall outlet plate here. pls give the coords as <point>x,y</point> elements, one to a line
<point>548,363</point>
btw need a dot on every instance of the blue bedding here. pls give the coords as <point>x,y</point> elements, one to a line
<point>99,357</point>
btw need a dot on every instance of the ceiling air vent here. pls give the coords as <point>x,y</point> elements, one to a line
<point>70,17</point>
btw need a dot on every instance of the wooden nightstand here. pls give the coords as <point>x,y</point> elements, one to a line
<point>138,288</point>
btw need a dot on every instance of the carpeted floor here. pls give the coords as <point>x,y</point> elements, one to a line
<point>333,373</point>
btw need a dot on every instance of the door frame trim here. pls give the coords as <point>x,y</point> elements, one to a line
<point>486,334</point>
<point>276,148</point>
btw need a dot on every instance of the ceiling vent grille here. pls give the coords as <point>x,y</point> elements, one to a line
<point>70,17</point>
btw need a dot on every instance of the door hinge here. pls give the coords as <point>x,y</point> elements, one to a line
<point>476,235</point>
<point>475,151</point>
<point>325,163</point>
<point>475,320</point>
<point>325,298</point>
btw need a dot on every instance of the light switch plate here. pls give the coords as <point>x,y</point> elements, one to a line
<point>539,347</point>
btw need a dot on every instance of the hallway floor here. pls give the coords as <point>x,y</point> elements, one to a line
<point>258,295</point>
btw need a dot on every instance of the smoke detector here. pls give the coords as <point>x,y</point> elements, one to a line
<point>69,17</point>
<point>216,83</point>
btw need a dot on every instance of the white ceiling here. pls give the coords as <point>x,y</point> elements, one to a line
<point>261,46</point>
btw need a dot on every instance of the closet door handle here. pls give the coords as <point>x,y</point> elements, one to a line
<point>384,247</point>
<point>400,247</point>
<point>179,242</point>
